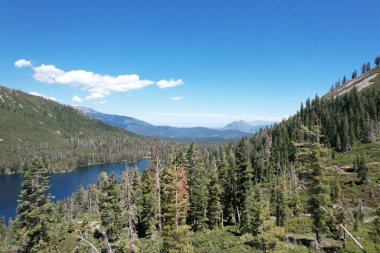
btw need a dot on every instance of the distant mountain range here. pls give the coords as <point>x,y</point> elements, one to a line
<point>231,131</point>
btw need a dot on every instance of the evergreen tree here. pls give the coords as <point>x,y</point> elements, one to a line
<point>215,190</point>
<point>137,196</point>
<point>198,182</point>
<point>252,216</point>
<point>80,201</point>
<point>309,154</point>
<point>354,74</point>
<point>377,61</point>
<point>244,173</point>
<point>151,213</point>
<point>110,208</point>
<point>35,209</point>
<point>344,80</point>
<point>345,140</point>
<point>362,170</point>
<point>295,204</point>
<point>279,201</point>
<point>318,193</point>
<point>335,190</point>
<point>175,201</point>
<point>368,66</point>
<point>364,68</point>
<point>228,179</point>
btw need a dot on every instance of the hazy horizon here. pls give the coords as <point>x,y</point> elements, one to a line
<point>187,64</point>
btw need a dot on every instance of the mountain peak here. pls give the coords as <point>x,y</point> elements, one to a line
<point>247,127</point>
<point>240,125</point>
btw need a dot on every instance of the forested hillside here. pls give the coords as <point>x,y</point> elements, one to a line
<point>296,187</point>
<point>63,137</point>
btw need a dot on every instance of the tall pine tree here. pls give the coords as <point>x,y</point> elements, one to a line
<point>35,208</point>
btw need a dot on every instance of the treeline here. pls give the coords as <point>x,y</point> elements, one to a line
<point>159,209</point>
<point>365,68</point>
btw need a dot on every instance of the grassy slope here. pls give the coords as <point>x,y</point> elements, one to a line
<point>31,124</point>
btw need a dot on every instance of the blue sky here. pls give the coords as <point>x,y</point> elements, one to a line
<point>226,60</point>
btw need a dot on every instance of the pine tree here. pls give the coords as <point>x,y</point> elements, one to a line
<point>345,140</point>
<point>309,153</point>
<point>362,170</point>
<point>377,61</point>
<point>364,68</point>
<point>198,182</point>
<point>280,203</point>
<point>215,190</point>
<point>335,190</point>
<point>110,208</point>
<point>344,80</point>
<point>354,74</point>
<point>230,185</point>
<point>368,66</point>
<point>175,201</point>
<point>318,193</point>
<point>137,195</point>
<point>252,214</point>
<point>151,211</point>
<point>35,208</point>
<point>80,201</point>
<point>244,172</point>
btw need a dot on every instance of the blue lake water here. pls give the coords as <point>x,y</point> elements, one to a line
<point>62,184</point>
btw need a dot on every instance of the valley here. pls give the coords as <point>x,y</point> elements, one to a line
<point>189,126</point>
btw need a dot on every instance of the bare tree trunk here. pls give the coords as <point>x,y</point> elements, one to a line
<point>89,243</point>
<point>131,212</point>
<point>106,242</point>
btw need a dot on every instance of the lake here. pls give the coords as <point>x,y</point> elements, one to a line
<point>62,184</point>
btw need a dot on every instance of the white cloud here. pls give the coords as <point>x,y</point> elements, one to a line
<point>23,63</point>
<point>77,99</point>
<point>176,98</point>
<point>34,93</point>
<point>98,86</point>
<point>169,83</point>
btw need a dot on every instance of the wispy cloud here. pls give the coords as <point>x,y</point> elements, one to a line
<point>176,98</point>
<point>101,102</point>
<point>98,85</point>
<point>77,99</point>
<point>34,93</point>
<point>163,84</point>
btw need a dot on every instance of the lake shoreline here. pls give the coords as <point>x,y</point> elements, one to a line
<point>7,172</point>
<point>63,185</point>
